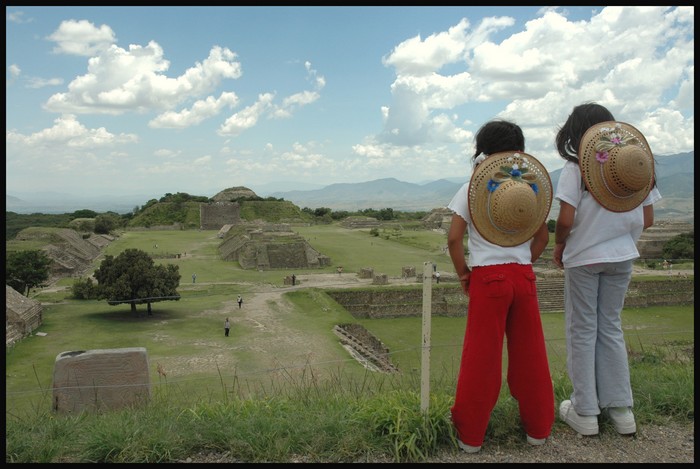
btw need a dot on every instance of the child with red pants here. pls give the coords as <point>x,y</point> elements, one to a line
<point>503,208</point>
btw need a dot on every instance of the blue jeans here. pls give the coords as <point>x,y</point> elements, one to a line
<point>596,352</point>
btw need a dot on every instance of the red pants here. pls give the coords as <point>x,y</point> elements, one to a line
<point>503,301</point>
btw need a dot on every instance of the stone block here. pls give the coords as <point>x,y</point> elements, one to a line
<point>95,380</point>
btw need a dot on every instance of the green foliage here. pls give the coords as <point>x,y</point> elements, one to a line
<point>106,223</point>
<point>25,270</point>
<point>271,211</point>
<point>132,277</point>
<point>551,225</point>
<point>85,289</point>
<point>15,222</point>
<point>182,197</point>
<point>411,434</point>
<point>84,213</point>
<point>167,213</point>
<point>85,225</point>
<point>681,246</point>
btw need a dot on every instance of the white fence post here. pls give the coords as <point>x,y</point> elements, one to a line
<point>425,351</point>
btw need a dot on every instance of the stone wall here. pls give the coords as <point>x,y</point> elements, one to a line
<point>215,215</point>
<point>448,300</point>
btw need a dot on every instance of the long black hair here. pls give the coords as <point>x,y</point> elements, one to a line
<point>499,135</point>
<point>583,117</point>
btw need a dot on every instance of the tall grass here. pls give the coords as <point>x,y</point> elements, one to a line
<point>377,418</point>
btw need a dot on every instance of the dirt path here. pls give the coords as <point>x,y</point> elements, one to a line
<point>260,330</point>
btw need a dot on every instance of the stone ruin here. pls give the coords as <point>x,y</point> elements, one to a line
<point>94,380</point>
<point>270,246</point>
<point>358,222</point>
<point>380,279</point>
<point>366,272</point>
<point>214,215</point>
<point>365,347</point>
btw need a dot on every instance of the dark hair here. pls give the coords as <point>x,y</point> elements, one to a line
<point>583,117</point>
<point>499,135</point>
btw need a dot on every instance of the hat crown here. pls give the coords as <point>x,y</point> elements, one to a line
<point>617,165</point>
<point>509,197</point>
<point>628,171</point>
<point>513,205</point>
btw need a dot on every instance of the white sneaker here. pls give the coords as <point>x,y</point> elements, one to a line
<point>468,448</point>
<point>536,441</point>
<point>622,419</point>
<point>584,424</point>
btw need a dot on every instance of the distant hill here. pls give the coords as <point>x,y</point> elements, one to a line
<point>675,173</point>
<point>377,194</point>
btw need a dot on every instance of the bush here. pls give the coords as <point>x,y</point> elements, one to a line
<point>681,246</point>
<point>84,289</point>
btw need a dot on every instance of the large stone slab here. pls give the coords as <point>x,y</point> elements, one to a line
<point>102,379</point>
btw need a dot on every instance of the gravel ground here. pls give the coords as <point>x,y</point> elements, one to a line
<point>671,443</point>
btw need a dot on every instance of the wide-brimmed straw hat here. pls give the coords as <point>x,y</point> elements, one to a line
<point>617,165</point>
<point>510,194</point>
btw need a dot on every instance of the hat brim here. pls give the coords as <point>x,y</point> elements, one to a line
<point>479,198</point>
<point>592,170</point>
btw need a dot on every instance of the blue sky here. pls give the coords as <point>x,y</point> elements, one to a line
<point>151,100</point>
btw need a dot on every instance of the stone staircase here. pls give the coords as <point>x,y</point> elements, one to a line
<point>550,293</point>
<point>372,359</point>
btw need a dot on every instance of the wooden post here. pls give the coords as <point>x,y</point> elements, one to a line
<point>425,351</point>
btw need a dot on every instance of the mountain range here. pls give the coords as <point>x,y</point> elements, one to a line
<point>675,179</point>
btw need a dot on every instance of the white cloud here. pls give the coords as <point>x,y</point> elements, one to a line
<point>199,111</point>
<point>121,81</point>
<point>82,38</point>
<point>625,58</point>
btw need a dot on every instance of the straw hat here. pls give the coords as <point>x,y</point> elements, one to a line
<point>617,165</point>
<point>510,194</point>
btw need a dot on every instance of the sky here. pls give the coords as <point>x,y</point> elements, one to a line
<point>107,100</point>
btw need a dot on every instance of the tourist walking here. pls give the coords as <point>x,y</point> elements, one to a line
<point>240,301</point>
<point>503,208</point>
<point>606,193</point>
<point>227,327</point>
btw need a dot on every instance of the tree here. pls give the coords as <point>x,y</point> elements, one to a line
<point>106,222</point>
<point>681,246</point>
<point>132,277</point>
<point>25,270</point>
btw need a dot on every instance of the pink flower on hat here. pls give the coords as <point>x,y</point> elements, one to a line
<point>602,156</point>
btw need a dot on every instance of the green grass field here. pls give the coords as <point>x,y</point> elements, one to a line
<point>187,335</point>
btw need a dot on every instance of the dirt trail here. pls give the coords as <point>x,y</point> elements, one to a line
<point>259,328</point>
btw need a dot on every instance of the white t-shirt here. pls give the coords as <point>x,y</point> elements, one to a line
<point>481,251</point>
<point>598,234</point>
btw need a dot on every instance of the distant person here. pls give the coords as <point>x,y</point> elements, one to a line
<point>437,277</point>
<point>240,301</point>
<point>340,269</point>
<point>227,327</point>
<point>606,193</point>
<point>503,208</point>
<point>294,279</point>
<point>194,278</point>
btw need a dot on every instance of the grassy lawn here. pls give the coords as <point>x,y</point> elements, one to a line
<point>188,333</point>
